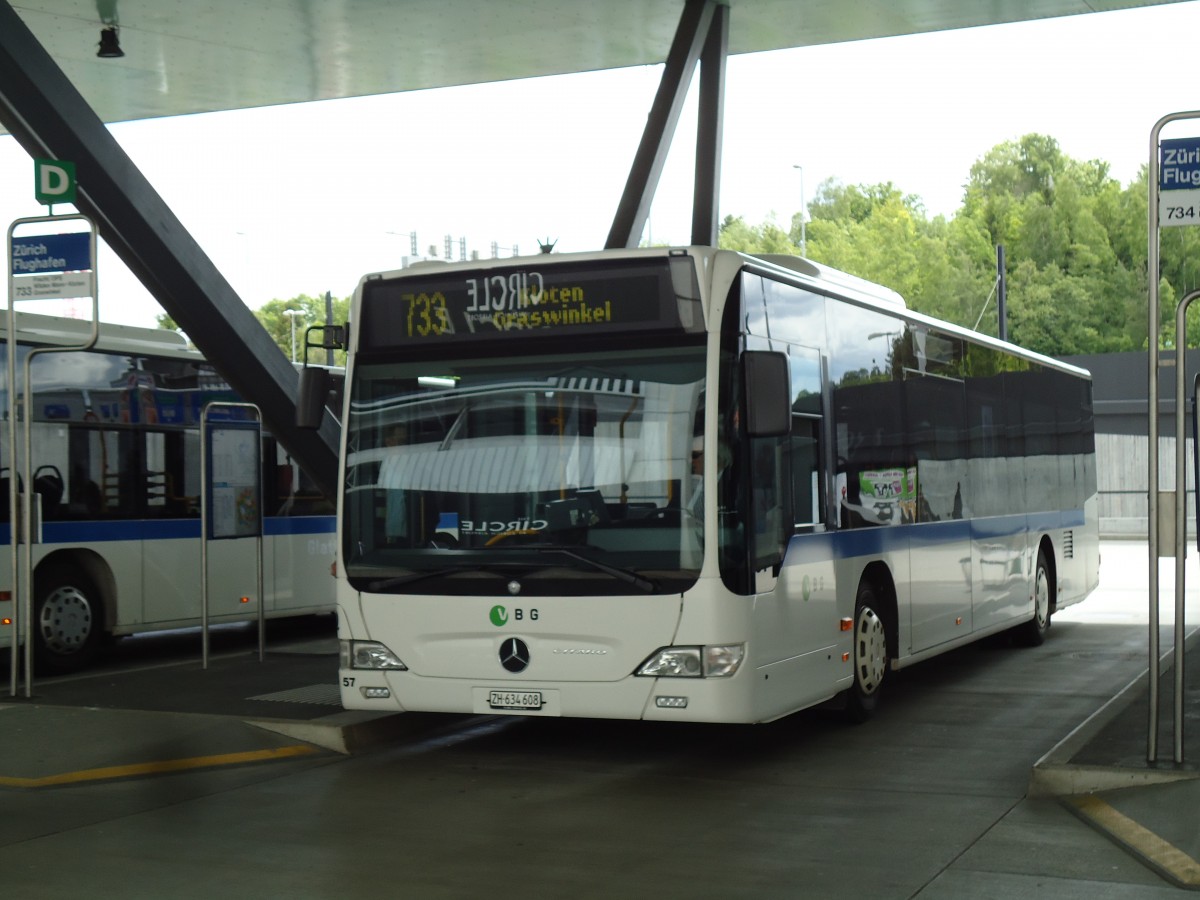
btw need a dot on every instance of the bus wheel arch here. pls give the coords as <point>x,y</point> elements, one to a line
<point>72,610</point>
<point>875,640</point>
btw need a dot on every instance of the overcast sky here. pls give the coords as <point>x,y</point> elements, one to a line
<point>308,198</point>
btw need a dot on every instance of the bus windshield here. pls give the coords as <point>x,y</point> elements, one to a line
<point>565,473</point>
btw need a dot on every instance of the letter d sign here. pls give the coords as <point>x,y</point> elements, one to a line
<point>55,181</point>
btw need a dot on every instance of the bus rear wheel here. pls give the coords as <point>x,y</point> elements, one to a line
<point>870,656</point>
<point>67,621</point>
<point>1033,632</point>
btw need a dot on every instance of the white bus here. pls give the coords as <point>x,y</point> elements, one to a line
<point>689,485</point>
<point>116,476</point>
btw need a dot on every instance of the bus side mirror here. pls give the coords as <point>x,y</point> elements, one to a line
<point>768,393</point>
<point>327,337</point>
<point>311,396</point>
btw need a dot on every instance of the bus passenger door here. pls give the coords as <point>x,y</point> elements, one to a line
<point>299,536</point>
<point>172,559</point>
<point>795,616</point>
<point>998,492</point>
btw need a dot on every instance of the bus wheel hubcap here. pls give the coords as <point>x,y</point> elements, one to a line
<point>870,650</point>
<point>66,620</point>
<point>1041,598</point>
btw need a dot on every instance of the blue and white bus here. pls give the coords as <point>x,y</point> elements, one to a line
<point>689,485</point>
<point>116,479</point>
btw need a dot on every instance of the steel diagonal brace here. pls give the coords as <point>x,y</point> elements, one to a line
<point>702,36</point>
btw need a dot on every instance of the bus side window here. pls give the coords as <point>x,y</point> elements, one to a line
<point>170,458</point>
<point>104,479</point>
<point>806,473</point>
<point>48,482</point>
<point>808,486</point>
<point>84,499</point>
<point>770,460</point>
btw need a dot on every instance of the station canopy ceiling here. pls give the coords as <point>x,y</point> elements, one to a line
<point>191,56</point>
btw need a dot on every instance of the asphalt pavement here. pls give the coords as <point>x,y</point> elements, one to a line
<point>144,715</point>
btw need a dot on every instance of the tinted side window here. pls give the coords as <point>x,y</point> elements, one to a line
<point>866,372</point>
<point>989,467</point>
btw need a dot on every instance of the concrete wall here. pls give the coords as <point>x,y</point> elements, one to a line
<point>1120,395</point>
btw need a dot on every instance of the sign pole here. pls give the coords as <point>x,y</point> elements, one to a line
<point>1175,171</point>
<point>1180,512</point>
<point>40,266</point>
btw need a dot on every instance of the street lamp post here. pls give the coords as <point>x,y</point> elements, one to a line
<point>803,213</point>
<point>291,314</point>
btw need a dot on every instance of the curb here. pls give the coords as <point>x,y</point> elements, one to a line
<point>1054,775</point>
<point>350,733</point>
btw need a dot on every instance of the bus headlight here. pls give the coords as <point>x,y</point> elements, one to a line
<point>723,661</point>
<point>368,655</point>
<point>718,661</point>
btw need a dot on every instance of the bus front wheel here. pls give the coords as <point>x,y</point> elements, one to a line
<point>870,655</point>
<point>67,621</point>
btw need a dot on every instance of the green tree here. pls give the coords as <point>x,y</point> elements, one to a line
<point>1072,222</point>
<point>840,202</point>
<point>735,234</point>
<point>877,232</point>
<point>1006,177</point>
<point>279,317</point>
<point>1075,242</point>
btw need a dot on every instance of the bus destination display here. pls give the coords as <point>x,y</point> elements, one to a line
<point>526,301</point>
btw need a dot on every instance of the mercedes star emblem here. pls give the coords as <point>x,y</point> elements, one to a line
<point>514,655</point>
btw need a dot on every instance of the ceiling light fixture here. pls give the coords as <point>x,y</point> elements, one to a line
<point>110,43</point>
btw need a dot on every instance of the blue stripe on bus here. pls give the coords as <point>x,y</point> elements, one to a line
<point>860,542</point>
<point>301,525</point>
<point>128,530</point>
<point>163,529</point>
<point>1067,518</point>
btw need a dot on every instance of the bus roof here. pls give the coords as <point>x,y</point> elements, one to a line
<point>834,277</point>
<point>868,292</point>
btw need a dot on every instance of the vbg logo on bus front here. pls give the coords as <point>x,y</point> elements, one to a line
<point>499,615</point>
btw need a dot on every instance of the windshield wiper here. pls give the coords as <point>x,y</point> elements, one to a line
<point>626,575</point>
<point>384,583</point>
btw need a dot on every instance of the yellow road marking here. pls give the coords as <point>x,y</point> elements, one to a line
<point>161,767</point>
<point>1163,854</point>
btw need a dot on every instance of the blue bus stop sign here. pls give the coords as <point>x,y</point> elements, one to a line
<point>1179,182</point>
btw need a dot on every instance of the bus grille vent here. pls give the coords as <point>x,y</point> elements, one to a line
<point>1068,545</point>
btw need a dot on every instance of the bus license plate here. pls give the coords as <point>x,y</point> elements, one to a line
<point>515,699</point>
